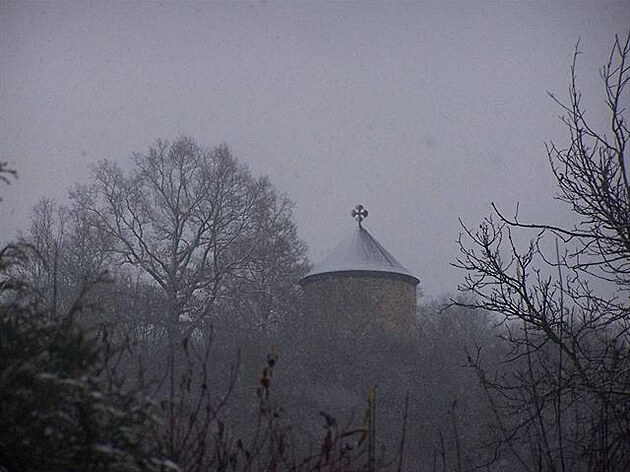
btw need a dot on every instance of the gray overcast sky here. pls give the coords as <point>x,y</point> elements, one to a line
<point>423,112</point>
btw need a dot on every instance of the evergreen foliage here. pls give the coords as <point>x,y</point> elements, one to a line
<point>58,409</point>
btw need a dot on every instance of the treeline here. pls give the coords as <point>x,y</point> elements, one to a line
<point>80,396</point>
<point>174,285</point>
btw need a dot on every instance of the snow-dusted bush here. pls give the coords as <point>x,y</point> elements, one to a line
<point>58,409</point>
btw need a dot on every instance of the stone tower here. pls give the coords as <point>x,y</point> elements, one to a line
<point>360,287</point>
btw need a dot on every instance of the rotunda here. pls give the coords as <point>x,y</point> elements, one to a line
<point>360,286</point>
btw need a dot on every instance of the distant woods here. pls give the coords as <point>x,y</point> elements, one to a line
<point>170,286</point>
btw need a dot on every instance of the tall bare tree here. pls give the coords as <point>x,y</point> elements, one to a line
<point>190,220</point>
<point>565,298</point>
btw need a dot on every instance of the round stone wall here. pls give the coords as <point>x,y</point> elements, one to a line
<point>362,302</point>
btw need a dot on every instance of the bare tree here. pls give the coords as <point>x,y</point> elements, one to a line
<point>565,402</point>
<point>185,218</point>
<point>45,241</point>
<point>62,256</point>
<point>266,288</point>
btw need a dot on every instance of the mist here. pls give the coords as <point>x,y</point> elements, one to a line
<point>253,236</point>
<point>422,113</point>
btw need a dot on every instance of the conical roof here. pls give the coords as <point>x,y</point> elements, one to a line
<point>359,252</point>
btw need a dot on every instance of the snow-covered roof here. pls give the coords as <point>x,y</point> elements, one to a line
<point>359,251</point>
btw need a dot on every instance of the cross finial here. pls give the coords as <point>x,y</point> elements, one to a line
<point>359,213</point>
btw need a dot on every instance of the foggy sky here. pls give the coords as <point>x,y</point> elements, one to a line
<point>424,113</point>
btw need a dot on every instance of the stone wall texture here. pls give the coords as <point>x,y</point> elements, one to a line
<point>362,303</point>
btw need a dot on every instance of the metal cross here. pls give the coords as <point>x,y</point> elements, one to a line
<point>359,213</point>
